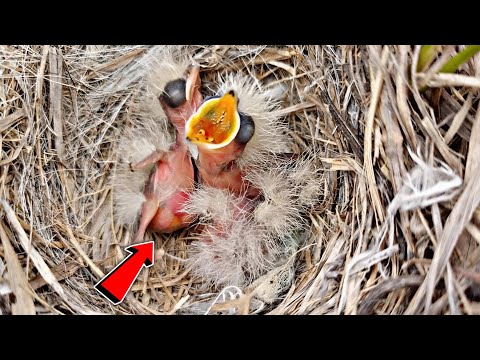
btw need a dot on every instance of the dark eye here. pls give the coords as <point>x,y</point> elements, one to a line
<point>247,129</point>
<point>174,93</point>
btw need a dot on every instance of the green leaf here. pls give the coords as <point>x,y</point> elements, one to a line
<point>427,55</point>
<point>461,58</point>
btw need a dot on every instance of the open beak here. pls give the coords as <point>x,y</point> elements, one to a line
<point>216,122</point>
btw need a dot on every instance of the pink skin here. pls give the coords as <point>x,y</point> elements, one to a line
<point>217,168</point>
<point>174,167</point>
<point>179,116</point>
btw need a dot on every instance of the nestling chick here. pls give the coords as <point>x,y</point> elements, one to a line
<point>231,249</point>
<point>174,168</point>
<point>221,134</point>
<point>252,198</point>
<point>240,113</point>
<point>161,174</point>
<point>242,237</point>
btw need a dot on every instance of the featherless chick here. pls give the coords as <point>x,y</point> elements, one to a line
<point>157,174</point>
<point>255,194</point>
<point>252,194</point>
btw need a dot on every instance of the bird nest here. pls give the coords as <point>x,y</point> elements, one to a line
<point>393,230</point>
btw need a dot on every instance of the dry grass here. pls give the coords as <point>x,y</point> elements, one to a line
<point>396,229</point>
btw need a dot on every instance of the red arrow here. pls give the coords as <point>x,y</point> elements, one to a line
<point>115,285</point>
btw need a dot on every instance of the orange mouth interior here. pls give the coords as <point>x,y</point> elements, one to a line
<point>216,122</point>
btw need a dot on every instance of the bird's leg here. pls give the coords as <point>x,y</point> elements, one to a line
<point>153,158</point>
<point>149,209</point>
<point>150,205</point>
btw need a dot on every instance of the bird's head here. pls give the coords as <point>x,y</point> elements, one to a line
<point>181,98</point>
<point>217,122</point>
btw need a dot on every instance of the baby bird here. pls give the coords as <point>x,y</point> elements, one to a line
<point>221,134</point>
<point>241,239</point>
<point>238,114</point>
<point>173,168</point>
<point>250,200</point>
<point>254,193</point>
<point>160,174</point>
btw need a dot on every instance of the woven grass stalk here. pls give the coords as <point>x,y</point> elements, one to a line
<point>394,228</point>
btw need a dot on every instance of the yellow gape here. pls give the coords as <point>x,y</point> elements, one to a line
<point>216,122</point>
